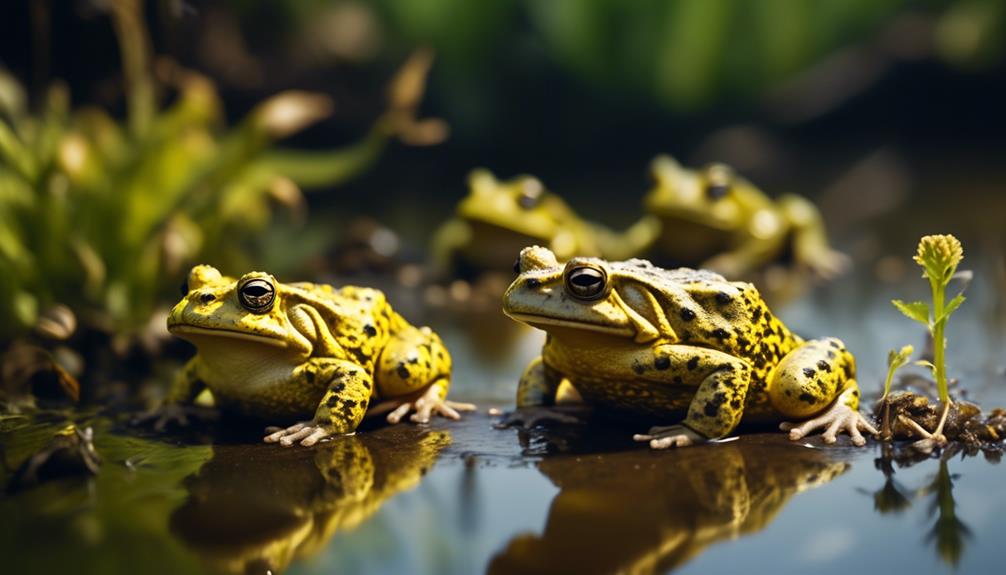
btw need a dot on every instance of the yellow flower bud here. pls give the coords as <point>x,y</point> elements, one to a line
<point>939,256</point>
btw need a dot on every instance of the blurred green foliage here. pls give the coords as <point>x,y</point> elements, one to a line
<point>105,217</point>
<point>687,54</point>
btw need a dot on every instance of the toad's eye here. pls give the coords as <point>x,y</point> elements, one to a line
<point>257,295</point>
<point>531,194</point>
<point>717,190</point>
<point>718,181</point>
<point>586,282</point>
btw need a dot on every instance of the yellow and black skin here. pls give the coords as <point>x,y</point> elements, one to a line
<point>717,220</point>
<point>659,343</point>
<point>287,352</point>
<point>497,218</point>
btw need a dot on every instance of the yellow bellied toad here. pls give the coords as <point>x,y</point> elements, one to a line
<point>717,220</point>
<point>498,218</point>
<point>636,338</point>
<point>287,352</point>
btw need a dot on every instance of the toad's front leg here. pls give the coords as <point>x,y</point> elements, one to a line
<point>718,403</point>
<point>341,409</point>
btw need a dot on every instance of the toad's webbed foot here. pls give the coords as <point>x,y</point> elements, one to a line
<point>176,414</point>
<point>839,417</point>
<point>431,402</point>
<point>306,432</point>
<point>533,415</point>
<point>670,436</point>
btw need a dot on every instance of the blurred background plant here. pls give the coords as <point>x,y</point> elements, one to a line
<point>100,219</point>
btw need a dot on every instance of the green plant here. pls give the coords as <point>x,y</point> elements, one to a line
<point>104,216</point>
<point>939,256</point>
<point>896,359</point>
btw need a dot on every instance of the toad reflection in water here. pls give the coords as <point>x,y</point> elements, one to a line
<point>660,512</point>
<point>255,514</point>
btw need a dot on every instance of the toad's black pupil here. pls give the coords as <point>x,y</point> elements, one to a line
<point>256,290</point>
<point>529,201</point>
<point>717,191</point>
<point>585,279</point>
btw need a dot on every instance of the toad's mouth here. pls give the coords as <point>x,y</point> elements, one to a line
<point>183,330</point>
<point>537,320</point>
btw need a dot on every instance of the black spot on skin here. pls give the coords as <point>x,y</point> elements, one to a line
<point>855,393</point>
<point>711,409</point>
<point>370,330</point>
<point>338,388</point>
<point>323,420</point>
<point>823,365</point>
<point>638,368</point>
<point>662,362</point>
<point>736,403</point>
<point>834,344</point>
<point>807,398</point>
<point>366,383</point>
<point>809,371</point>
<point>350,403</point>
<point>413,360</point>
<point>403,372</point>
<point>686,335</point>
<point>723,298</point>
<point>847,369</point>
<point>332,401</point>
<point>364,404</point>
<point>720,333</point>
<point>693,363</point>
<point>687,314</point>
<point>831,354</point>
<point>756,314</point>
<point>743,342</point>
<point>309,376</point>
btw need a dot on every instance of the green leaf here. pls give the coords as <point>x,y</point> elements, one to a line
<point>951,307</point>
<point>917,310</point>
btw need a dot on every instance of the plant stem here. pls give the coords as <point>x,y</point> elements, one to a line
<point>939,342</point>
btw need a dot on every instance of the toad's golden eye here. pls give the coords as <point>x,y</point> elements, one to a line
<point>257,295</point>
<point>586,282</point>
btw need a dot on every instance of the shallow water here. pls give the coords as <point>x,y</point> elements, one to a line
<point>467,498</point>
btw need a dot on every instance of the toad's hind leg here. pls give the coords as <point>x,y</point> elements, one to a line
<point>414,373</point>
<point>818,379</point>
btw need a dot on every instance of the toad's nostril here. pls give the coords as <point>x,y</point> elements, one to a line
<point>206,297</point>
